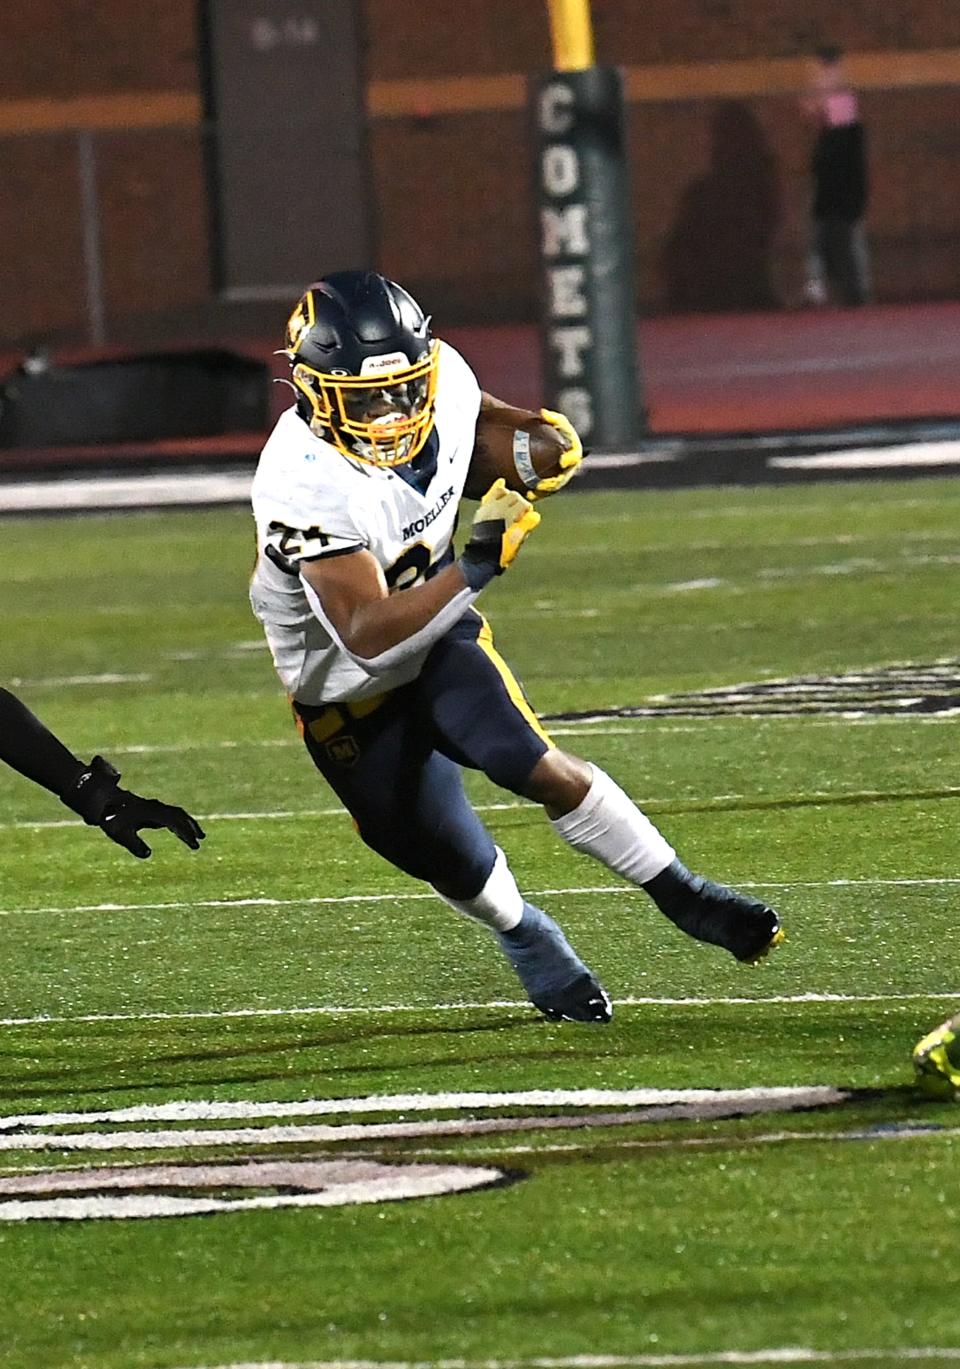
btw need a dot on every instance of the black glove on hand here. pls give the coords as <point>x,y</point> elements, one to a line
<point>99,800</point>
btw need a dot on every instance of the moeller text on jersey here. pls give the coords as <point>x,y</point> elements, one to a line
<point>419,524</point>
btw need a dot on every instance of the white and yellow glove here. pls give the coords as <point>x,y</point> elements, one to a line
<point>569,461</point>
<point>501,525</point>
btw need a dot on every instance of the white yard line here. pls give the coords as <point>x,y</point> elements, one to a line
<point>177,748</point>
<point>676,803</point>
<point>591,727</point>
<point>331,1010</point>
<point>316,900</point>
<point>60,682</point>
<point>604,890</point>
<point>270,815</point>
<point>713,511</point>
<point>788,1354</point>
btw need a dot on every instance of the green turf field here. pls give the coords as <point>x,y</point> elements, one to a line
<point>284,967</point>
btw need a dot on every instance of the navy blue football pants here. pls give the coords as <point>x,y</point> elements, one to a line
<point>394,761</point>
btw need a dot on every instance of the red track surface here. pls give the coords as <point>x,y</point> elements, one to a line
<point>766,372</point>
<point>747,373</point>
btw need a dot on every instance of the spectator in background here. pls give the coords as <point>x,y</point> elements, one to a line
<point>838,268</point>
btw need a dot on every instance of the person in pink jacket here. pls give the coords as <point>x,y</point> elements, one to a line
<point>838,268</point>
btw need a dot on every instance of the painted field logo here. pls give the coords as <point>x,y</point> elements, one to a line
<point>183,1190</point>
<point>901,690</point>
<point>185,1185</point>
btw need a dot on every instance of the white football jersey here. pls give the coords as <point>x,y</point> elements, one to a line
<point>311,501</point>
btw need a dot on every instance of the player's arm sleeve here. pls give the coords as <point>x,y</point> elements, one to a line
<point>414,645</point>
<point>290,546</point>
<point>31,748</point>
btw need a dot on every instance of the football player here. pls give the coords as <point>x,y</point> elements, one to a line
<point>391,670</point>
<point>91,790</point>
<point>936,1060</point>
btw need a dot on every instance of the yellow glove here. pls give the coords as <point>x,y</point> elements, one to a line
<point>569,461</point>
<point>501,525</point>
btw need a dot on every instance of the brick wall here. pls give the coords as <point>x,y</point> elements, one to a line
<point>719,185</point>
<point>62,48</point>
<point>108,57</point>
<point>719,182</point>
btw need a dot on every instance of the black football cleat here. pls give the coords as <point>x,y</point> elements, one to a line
<point>711,912</point>
<point>554,977</point>
<point>744,926</point>
<point>582,1001</point>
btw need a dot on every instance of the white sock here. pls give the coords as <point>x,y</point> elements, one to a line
<point>612,829</point>
<point>499,903</point>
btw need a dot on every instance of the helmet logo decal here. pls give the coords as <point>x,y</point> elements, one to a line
<point>300,322</point>
<point>389,361</point>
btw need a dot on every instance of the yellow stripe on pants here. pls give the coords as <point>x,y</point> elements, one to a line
<point>517,698</point>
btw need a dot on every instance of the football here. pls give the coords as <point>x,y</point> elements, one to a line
<point>517,445</point>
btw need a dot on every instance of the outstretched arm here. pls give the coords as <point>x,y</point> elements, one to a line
<point>92,790</point>
<point>28,746</point>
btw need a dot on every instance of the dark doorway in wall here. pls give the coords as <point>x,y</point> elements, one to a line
<point>287,157</point>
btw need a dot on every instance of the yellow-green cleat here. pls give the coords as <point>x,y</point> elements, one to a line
<point>937,1060</point>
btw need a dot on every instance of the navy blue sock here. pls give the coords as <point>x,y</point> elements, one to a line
<point>540,954</point>
<point>672,889</point>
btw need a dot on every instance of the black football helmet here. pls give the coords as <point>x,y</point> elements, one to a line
<point>365,366</point>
